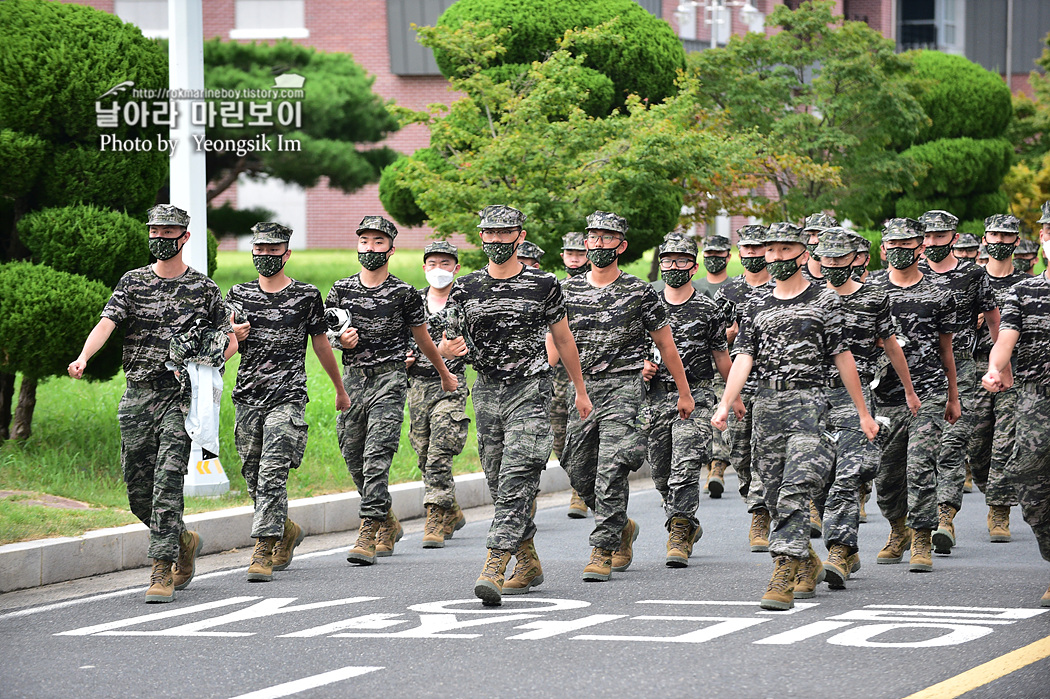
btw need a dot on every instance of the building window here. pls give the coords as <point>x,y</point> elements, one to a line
<point>287,200</point>
<point>686,16</point>
<point>932,24</point>
<point>151,16</point>
<point>270,19</point>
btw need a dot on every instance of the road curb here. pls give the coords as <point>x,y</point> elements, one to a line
<point>46,561</point>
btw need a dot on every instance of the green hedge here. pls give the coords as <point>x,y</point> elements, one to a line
<point>962,99</point>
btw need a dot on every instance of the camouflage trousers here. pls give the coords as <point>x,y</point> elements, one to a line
<point>154,457</point>
<point>601,451</point>
<point>678,449</point>
<point>855,459</point>
<point>438,433</point>
<point>992,443</point>
<point>951,463</point>
<point>719,449</point>
<point>1029,469</point>
<point>741,433</point>
<point>514,443</point>
<point>369,433</point>
<point>271,442</point>
<point>560,408</point>
<point>788,459</point>
<point>907,478</point>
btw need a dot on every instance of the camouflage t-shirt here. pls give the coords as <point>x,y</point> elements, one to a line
<point>1000,286</point>
<point>151,310</point>
<point>705,287</point>
<point>436,325</point>
<point>273,356</point>
<point>866,318</point>
<point>507,320</point>
<point>698,328</point>
<point>968,283</point>
<point>611,324</point>
<point>733,297</point>
<point>382,316</point>
<point>1026,309</point>
<point>792,339</point>
<point>924,311</point>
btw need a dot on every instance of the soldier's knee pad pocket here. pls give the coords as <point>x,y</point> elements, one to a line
<point>300,432</point>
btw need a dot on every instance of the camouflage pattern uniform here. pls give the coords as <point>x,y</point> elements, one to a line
<point>562,383</point>
<point>1027,310</point>
<point>374,376</point>
<point>720,450</point>
<point>818,223</point>
<point>505,322</point>
<point>907,477</point>
<point>530,251</point>
<point>611,326</point>
<point>154,446</point>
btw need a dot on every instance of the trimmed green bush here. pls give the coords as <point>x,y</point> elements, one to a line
<point>962,99</point>
<point>960,166</point>
<point>398,200</point>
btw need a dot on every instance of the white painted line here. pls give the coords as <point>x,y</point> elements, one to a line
<point>121,623</point>
<point>802,633</point>
<point>296,686</point>
<point>799,606</point>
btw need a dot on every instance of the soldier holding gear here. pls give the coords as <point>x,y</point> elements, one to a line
<point>270,397</point>
<point>152,304</point>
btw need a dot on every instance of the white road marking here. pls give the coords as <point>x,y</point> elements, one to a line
<point>549,627</point>
<point>553,605</point>
<point>802,633</point>
<point>109,625</point>
<point>296,686</point>
<point>726,625</point>
<point>799,606</point>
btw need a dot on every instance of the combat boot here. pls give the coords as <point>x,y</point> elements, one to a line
<point>854,563</point>
<point>999,523</point>
<point>577,507</point>
<point>897,544</point>
<point>161,583</point>
<point>489,587</point>
<point>865,493</point>
<point>600,567</point>
<point>434,528</point>
<point>968,483</point>
<point>921,552</point>
<point>261,568</point>
<point>364,551</point>
<point>816,527</point>
<point>944,537</point>
<point>837,567</point>
<point>780,592</point>
<point>716,478</point>
<point>1044,601</point>
<point>390,532</point>
<point>285,548</point>
<point>528,573</point>
<point>810,574</point>
<point>454,520</point>
<point>190,545</point>
<point>679,543</point>
<point>622,557</point>
<point>758,537</point>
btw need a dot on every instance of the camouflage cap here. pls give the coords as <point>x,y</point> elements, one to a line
<point>1045,218</point>
<point>676,242</point>
<point>1002,223</point>
<point>902,229</point>
<point>819,222</point>
<point>717,243</point>
<point>501,216</point>
<point>835,242</point>
<point>607,221</point>
<point>966,242</point>
<point>440,246</point>
<point>530,250</point>
<point>862,243</point>
<point>378,223</point>
<point>1026,247</point>
<point>267,232</point>
<point>785,232</point>
<point>982,252</point>
<point>751,235</point>
<point>168,215</point>
<point>573,241</point>
<point>937,221</point>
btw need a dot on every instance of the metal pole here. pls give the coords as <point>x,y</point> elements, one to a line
<point>1009,43</point>
<point>715,8</point>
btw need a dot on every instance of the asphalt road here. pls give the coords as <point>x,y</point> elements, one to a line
<point>409,626</point>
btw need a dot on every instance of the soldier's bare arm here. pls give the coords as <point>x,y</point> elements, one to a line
<point>552,351</point>
<point>999,377</point>
<point>325,355</point>
<point>724,364</point>
<point>992,318</point>
<point>847,367</point>
<point>449,382</point>
<point>734,384</point>
<point>563,340</point>
<point>231,348</point>
<point>673,361</point>
<point>900,365</point>
<point>94,342</point>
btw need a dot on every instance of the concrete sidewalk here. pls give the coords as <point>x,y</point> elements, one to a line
<point>46,561</point>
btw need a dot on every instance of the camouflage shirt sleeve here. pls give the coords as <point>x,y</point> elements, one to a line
<point>116,309</point>
<point>1026,310</point>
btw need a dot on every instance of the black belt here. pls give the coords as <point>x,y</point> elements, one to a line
<point>670,384</point>
<point>162,381</point>
<point>781,385</point>
<point>384,368</point>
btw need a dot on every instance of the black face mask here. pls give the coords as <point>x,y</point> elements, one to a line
<point>836,275</point>
<point>268,265</point>
<point>1023,265</point>
<point>714,264</point>
<point>602,257</point>
<point>901,258</point>
<point>1000,251</point>
<point>371,260</point>
<point>753,264</point>
<point>576,271</point>
<point>782,270</point>
<point>164,248</point>
<point>812,249</point>
<point>858,272</point>
<point>676,277</point>
<point>936,253</point>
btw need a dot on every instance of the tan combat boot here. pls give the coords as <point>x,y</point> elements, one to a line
<point>716,478</point>
<point>454,520</point>
<point>865,493</point>
<point>921,552</point>
<point>897,544</point>
<point>837,567</point>
<point>261,568</point>
<point>285,548</point>
<point>999,523</point>
<point>434,528</point>
<point>854,563</point>
<point>161,583</point>
<point>390,532</point>
<point>968,483</point>
<point>489,587</point>
<point>944,537</point>
<point>600,567</point>
<point>577,507</point>
<point>190,545</point>
<point>810,574</point>
<point>758,537</point>
<point>780,592</point>
<point>622,557</point>
<point>679,543</point>
<point>1044,601</point>
<point>364,551</point>
<point>528,573</point>
<point>816,526</point>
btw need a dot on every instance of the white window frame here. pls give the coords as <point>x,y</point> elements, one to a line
<point>300,32</point>
<point>151,32</point>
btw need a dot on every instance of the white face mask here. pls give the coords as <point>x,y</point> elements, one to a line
<point>439,278</point>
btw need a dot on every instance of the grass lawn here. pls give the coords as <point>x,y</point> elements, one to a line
<point>74,451</point>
